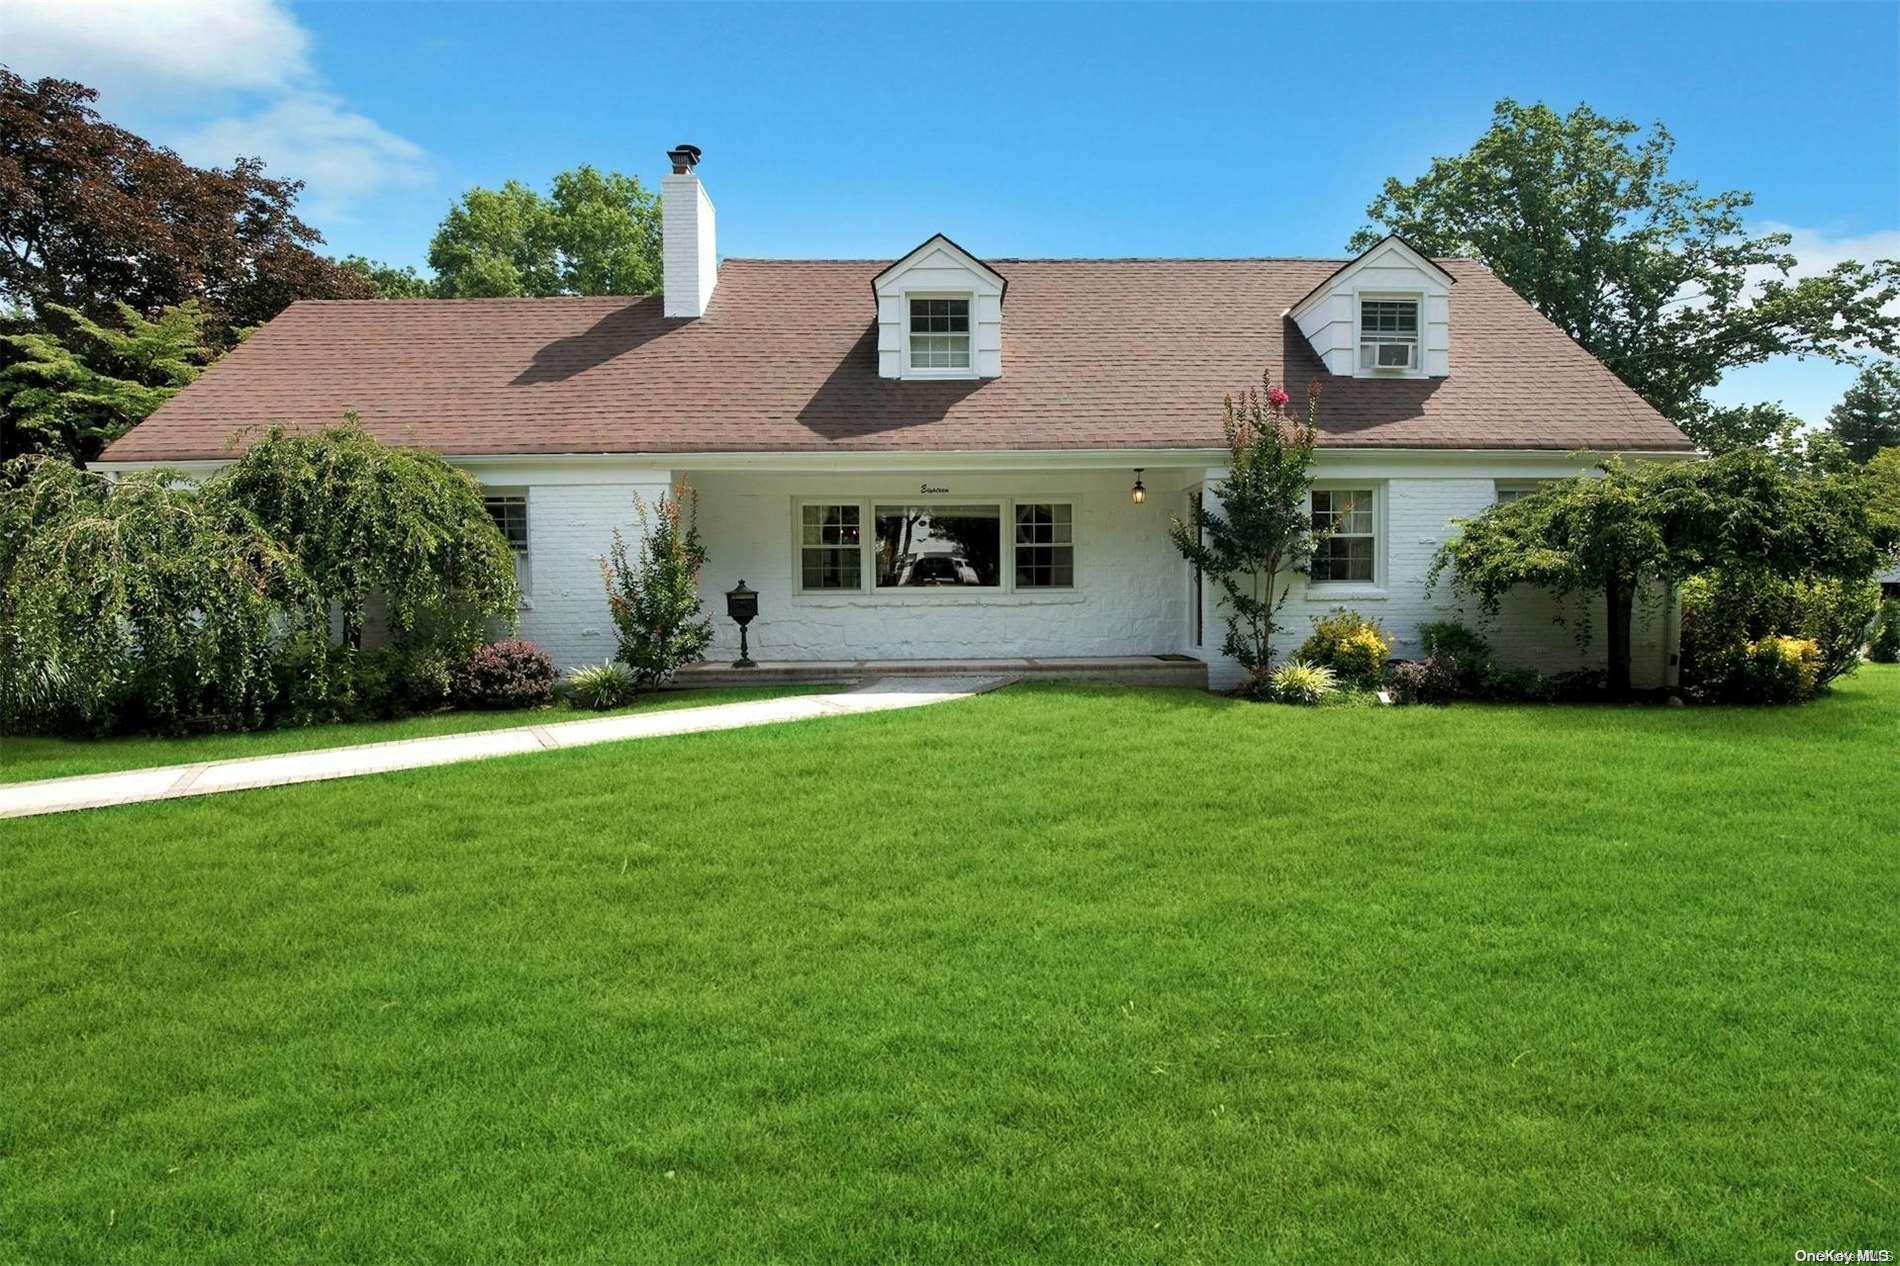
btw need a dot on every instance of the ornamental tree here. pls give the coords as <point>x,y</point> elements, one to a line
<point>654,597</point>
<point>1263,531</point>
<point>1743,514</point>
<point>371,521</point>
<point>139,599</point>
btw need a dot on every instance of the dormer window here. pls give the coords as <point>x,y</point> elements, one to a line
<point>1388,334</point>
<point>940,333</point>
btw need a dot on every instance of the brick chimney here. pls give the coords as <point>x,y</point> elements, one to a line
<point>690,259</point>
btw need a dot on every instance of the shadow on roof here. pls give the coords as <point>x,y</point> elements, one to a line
<point>618,332</point>
<point>853,401</point>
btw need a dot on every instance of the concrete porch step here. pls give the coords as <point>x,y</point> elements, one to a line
<point>1133,670</point>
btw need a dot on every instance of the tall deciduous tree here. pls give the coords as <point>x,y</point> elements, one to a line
<point>386,281</point>
<point>92,215</point>
<point>78,384</point>
<point>1742,513</point>
<point>1579,214</point>
<point>1263,531</point>
<point>596,233</point>
<point>1868,417</point>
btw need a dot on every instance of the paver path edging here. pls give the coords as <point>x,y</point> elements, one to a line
<point>169,782</point>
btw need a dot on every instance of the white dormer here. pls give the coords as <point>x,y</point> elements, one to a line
<point>939,315</point>
<point>1386,314</point>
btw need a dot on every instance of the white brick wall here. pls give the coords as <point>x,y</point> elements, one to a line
<point>1416,517</point>
<point>570,527</point>
<point>1132,594</point>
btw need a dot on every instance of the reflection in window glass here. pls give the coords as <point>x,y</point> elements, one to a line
<point>1347,553</point>
<point>935,546</point>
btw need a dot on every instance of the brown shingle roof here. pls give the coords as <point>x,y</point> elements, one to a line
<point>1096,354</point>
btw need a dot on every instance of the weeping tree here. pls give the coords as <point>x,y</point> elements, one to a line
<point>1742,514</point>
<point>138,600</point>
<point>1262,533</point>
<point>372,523</point>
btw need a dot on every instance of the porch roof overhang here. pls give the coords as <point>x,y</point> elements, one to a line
<point>607,466</point>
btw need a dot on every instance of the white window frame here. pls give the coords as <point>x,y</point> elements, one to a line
<point>912,370</point>
<point>799,547</point>
<point>867,546</point>
<point>1508,490</point>
<point>1376,587</point>
<point>524,556</point>
<point>1362,297</point>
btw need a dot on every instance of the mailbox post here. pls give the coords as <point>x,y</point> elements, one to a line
<point>742,604</point>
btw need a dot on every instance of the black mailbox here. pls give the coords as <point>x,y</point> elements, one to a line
<point>742,604</point>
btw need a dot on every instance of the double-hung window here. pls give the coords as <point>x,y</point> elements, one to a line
<point>1511,490</point>
<point>510,513</point>
<point>1348,550</point>
<point>1045,545</point>
<point>940,333</point>
<point>830,546</point>
<point>1388,334</point>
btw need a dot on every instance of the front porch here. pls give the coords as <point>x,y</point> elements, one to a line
<point>1126,670</point>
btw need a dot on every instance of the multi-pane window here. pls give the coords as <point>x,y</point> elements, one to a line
<point>933,546</point>
<point>830,548</point>
<point>1508,492</point>
<point>939,333</point>
<point>510,513</point>
<point>1347,551</point>
<point>1388,334</point>
<point>1045,545</point>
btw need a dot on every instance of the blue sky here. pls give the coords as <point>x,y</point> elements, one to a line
<point>1020,130</point>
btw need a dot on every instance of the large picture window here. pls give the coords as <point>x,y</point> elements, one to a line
<point>939,546</point>
<point>1349,551</point>
<point>1045,545</point>
<point>830,548</point>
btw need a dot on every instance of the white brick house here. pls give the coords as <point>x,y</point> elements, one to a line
<point>935,457</point>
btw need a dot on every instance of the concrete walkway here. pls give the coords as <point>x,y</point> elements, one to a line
<point>169,782</point>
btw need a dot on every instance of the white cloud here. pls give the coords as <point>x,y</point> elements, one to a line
<point>1817,250</point>
<point>215,79</point>
<point>1809,387</point>
<point>143,47</point>
<point>342,155</point>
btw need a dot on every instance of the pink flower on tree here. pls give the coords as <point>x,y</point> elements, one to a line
<point>1278,398</point>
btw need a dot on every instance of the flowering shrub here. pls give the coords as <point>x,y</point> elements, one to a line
<point>599,687</point>
<point>1354,647</point>
<point>1726,615</point>
<point>510,674</point>
<point>1302,683</point>
<point>653,596</point>
<point>1778,669</point>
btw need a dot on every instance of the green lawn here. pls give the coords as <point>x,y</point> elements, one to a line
<point>25,759</point>
<point>1083,974</point>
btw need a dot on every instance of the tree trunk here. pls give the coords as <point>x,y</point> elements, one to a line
<point>1619,594</point>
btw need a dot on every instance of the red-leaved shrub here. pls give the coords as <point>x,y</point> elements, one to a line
<point>507,674</point>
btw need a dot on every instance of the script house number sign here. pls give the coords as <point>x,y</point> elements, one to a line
<point>930,490</point>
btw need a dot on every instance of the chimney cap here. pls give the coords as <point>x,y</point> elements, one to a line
<point>684,157</point>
